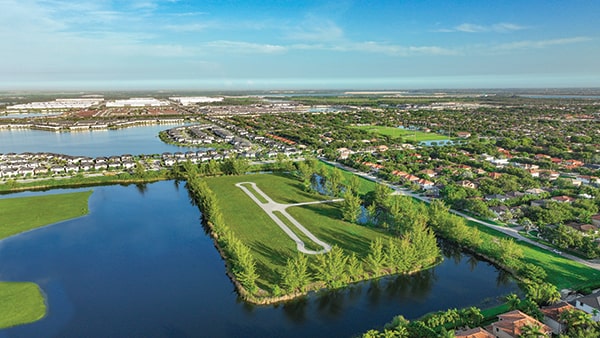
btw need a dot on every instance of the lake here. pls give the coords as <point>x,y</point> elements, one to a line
<point>141,265</point>
<point>134,140</point>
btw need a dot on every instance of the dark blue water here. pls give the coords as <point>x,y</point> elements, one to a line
<point>141,265</point>
<point>135,140</point>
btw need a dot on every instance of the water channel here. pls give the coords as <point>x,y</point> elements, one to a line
<point>141,265</point>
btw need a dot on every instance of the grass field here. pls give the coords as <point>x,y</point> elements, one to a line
<point>412,135</point>
<point>20,303</point>
<point>270,245</point>
<point>562,272</point>
<point>25,213</point>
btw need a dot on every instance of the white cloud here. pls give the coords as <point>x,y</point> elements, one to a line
<point>187,28</point>
<point>502,27</point>
<point>244,47</point>
<point>315,29</point>
<point>531,44</point>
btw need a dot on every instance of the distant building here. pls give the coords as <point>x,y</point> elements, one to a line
<point>137,102</point>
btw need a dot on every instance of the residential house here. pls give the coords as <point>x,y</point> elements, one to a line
<point>463,134</point>
<point>425,184</point>
<point>590,304</point>
<point>552,316</point>
<point>509,325</point>
<point>563,199</point>
<point>467,184</point>
<point>495,175</point>
<point>474,333</point>
<point>596,220</point>
<point>499,211</point>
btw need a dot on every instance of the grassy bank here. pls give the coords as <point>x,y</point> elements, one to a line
<point>25,213</point>
<point>23,302</point>
<point>20,303</point>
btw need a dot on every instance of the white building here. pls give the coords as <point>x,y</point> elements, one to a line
<point>58,104</point>
<point>189,100</point>
<point>137,102</point>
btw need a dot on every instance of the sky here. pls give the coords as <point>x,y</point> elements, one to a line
<point>285,44</point>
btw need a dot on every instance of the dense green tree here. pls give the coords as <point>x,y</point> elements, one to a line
<point>351,207</point>
<point>376,258</point>
<point>331,267</point>
<point>295,274</point>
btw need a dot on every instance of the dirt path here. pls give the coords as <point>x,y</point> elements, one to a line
<point>271,206</point>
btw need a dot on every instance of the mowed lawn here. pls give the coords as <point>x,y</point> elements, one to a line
<point>20,303</point>
<point>562,272</point>
<point>271,246</point>
<point>403,133</point>
<point>26,213</point>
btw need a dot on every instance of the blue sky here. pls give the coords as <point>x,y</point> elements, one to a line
<point>178,44</point>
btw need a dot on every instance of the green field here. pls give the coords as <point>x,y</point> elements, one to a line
<point>25,213</point>
<point>270,245</point>
<point>562,272</point>
<point>20,303</point>
<point>409,135</point>
<point>23,302</point>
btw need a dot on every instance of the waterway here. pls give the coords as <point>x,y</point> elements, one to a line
<point>134,140</point>
<point>141,265</point>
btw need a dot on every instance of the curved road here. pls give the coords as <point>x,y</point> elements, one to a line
<point>508,231</point>
<point>271,206</point>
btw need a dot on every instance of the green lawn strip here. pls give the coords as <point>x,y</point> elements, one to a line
<point>308,243</point>
<point>77,181</point>
<point>324,221</point>
<point>25,213</point>
<point>20,303</point>
<point>490,315</point>
<point>255,193</point>
<point>562,272</point>
<point>404,133</point>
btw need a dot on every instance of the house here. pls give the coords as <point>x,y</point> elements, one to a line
<point>474,333</point>
<point>538,203</point>
<point>429,172</point>
<point>425,184</point>
<point>596,220</point>
<point>467,184</point>
<point>495,175</point>
<point>463,134</point>
<point>499,211</point>
<point>585,228</point>
<point>509,325</point>
<point>563,199</point>
<point>552,316</point>
<point>590,304</point>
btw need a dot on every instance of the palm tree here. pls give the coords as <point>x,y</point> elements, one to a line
<point>575,319</point>
<point>532,331</point>
<point>513,301</point>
